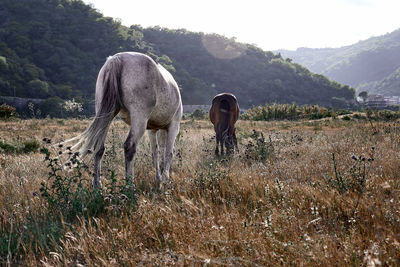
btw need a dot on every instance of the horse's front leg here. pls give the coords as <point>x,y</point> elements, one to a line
<point>169,150</point>
<point>235,143</point>
<point>136,132</point>
<point>154,153</point>
<point>216,147</point>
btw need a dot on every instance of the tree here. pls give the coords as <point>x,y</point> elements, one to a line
<point>363,95</point>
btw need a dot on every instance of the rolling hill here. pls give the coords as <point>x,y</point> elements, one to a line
<point>370,65</point>
<point>53,49</point>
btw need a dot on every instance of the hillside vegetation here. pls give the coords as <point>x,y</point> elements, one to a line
<point>53,49</point>
<point>253,75</point>
<point>368,65</point>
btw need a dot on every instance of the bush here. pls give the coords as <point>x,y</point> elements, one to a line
<point>7,111</point>
<point>355,178</point>
<point>199,114</point>
<point>70,193</point>
<point>346,118</point>
<point>8,147</point>
<point>258,148</point>
<point>27,146</point>
<point>30,145</point>
<point>287,112</point>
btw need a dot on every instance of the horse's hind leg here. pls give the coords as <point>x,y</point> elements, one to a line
<point>222,141</point>
<point>154,153</point>
<point>136,132</point>
<point>97,167</point>
<point>217,144</point>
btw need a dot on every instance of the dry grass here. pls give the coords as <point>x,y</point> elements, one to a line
<point>285,209</point>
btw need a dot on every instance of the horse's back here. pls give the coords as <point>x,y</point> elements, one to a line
<point>147,89</point>
<point>224,103</point>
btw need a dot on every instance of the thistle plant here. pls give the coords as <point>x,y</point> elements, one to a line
<point>68,189</point>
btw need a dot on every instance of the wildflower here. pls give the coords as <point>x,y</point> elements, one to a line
<point>307,238</point>
<point>314,210</point>
<point>352,220</point>
<point>266,189</point>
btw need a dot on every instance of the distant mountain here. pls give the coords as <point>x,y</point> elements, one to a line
<point>387,86</point>
<point>370,65</point>
<point>53,49</point>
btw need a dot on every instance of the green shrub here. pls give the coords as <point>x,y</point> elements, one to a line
<point>346,118</point>
<point>199,114</point>
<point>354,179</point>
<point>7,111</point>
<point>258,148</point>
<point>27,146</point>
<point>71,194</point>
<point>30,145</point>
<point>7,147</point>
<point>287,112</point>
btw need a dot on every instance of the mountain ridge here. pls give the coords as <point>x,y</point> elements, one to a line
<point>363,65</point>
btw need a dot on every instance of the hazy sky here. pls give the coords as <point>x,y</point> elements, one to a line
<point>271,25</point>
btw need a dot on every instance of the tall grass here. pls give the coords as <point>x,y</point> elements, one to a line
<point>283,200</point>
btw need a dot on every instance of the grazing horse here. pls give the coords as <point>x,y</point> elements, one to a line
<point>147,97</point>
<point>224,113</point>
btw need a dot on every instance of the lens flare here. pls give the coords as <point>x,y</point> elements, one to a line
<point>221,47</point>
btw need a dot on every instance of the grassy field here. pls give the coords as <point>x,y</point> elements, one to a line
<point>298,193</point>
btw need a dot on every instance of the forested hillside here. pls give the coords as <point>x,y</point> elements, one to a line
<point>255,76</point>
<point>366,65</point>
<point>53,49</point>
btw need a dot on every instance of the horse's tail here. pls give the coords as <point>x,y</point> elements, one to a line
<point>108,104</point>
<point>225,114</point>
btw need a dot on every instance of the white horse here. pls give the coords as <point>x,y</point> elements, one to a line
<point>147,97</point>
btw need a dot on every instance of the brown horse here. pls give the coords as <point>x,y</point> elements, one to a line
<point>224,113</point>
